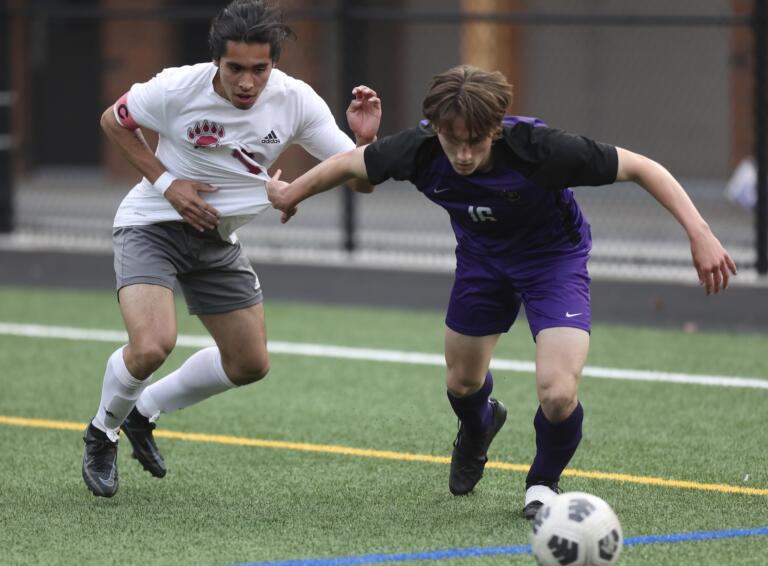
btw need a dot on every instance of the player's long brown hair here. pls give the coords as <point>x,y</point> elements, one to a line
<point>481,97</point>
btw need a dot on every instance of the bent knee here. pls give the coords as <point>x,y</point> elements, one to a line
<point>557,406</point>
<point>461,384</point>
<point>558,402</point>
<point>146,356</point>
<point>247,371</point>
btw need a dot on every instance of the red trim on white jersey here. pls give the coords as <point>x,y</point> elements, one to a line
<point>123,115</point>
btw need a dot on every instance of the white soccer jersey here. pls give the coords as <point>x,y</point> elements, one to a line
<point>203,137</point>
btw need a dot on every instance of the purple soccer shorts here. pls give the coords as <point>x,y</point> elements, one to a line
<point>488,291</point>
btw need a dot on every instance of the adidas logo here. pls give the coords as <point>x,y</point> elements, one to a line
<point>271,137</point>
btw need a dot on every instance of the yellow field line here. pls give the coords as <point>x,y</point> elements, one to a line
<point>389,455</point>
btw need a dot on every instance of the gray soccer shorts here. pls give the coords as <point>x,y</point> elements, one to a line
<point>213,274</point>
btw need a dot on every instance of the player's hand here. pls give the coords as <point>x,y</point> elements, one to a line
<point>712,262</point>
<point>184,196</point>
<point>276,190</point>
<point>364,114</point>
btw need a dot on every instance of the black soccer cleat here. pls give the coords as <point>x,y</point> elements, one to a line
<point>138,429</point>
<point>99,462</point>
<point>536,496</point>
<point>470,452</point>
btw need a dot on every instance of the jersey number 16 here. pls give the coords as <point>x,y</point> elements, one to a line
<point>481,214</point>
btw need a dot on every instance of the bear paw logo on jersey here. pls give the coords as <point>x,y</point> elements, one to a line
<point>205,134</point>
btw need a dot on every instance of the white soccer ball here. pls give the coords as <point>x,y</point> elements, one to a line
<point>576,529</point>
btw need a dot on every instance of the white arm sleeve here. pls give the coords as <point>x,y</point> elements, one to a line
<point>319,134</point>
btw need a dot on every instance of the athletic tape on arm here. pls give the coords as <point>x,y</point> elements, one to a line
<point>123,115</point>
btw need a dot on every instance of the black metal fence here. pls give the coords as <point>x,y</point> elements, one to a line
<point>644,78</point>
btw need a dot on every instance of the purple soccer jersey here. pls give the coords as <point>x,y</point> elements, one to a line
<point>520,234</point>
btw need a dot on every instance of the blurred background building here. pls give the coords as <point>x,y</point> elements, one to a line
<point>672,80</point>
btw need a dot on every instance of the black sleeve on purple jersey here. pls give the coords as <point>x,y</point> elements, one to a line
<point>561,159</point>
<point>397,156</point>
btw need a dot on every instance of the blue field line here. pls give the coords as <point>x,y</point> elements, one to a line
<point>701,535</point>
<point>401,557</point>
<point>453,553</point>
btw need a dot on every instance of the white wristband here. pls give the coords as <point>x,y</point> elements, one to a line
<point>163,182</point>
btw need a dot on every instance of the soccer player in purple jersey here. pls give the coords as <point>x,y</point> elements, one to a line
<point>521,239</point>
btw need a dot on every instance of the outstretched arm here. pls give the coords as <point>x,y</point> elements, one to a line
<point>330,173</point>
<point>712,262</point>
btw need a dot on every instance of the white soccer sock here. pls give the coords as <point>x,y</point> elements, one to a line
<point>200,377</point>
<point>119,392</point>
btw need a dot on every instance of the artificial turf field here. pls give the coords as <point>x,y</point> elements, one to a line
<point>266,480</point>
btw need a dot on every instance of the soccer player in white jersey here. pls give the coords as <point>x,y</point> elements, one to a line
<point>221,125</point>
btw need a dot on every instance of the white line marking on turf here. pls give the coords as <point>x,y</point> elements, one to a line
<point>392,356</point>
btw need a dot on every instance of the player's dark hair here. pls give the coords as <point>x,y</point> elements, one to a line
<point>480,97</point>
<point>248,21</point>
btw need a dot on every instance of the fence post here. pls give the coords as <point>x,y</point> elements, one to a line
<point>6,135</point>
<point>348,60</point>
<point>760,29</point>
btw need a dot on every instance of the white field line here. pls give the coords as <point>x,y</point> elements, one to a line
<point>372,355</point>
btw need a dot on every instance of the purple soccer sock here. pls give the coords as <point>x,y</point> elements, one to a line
<point>555,445</point>
<point>473,410</point>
